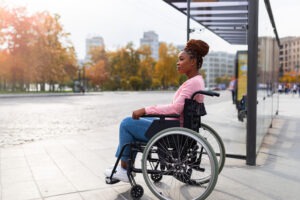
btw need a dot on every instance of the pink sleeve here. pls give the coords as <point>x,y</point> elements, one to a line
<point>185,91</point>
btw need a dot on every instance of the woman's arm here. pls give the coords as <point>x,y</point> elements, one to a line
<point>138,113</point>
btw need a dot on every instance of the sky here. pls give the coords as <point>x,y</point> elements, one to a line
<point>123,21</point>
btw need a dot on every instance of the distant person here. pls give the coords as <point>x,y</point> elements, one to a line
<point>232,88</point>
<point>295,88</point>
<point>133,128</point>
<point>286,88</point>
<point>280,88</point>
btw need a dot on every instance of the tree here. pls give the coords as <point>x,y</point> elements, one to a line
<point>97,70</point>
<point>17,37</point>
<point>146,69</point>
<point>53,56</point>
<point>135,82</point>
<point>38,49</point>
<point>288,77</point>
<point>4,71</point>
<point>123,64</point>
<point>223,80</point>
<point>165,69</point>
<point>97,74</point>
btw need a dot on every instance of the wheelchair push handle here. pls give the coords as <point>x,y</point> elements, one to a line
<point>206,92</point>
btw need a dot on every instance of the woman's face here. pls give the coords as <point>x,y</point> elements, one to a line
<point>185,65</point>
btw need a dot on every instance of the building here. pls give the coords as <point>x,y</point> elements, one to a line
<point>267,59</point>
<point>150,38</point>
<point>218,64</point>
<point>289,56</point>
<point>91,42</point>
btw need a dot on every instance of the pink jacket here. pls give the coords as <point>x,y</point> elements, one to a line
<point>184,91</point>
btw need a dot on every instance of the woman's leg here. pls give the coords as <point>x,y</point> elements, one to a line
<point>131,130</point>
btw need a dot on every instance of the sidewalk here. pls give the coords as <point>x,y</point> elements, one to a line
<point>71,167</point>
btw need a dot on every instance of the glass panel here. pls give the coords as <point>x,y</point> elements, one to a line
<point>267,65</point>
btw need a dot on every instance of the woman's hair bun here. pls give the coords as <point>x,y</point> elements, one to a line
<point>197,46</point>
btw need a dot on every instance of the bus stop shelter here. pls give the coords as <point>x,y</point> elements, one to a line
<point>251,23</point>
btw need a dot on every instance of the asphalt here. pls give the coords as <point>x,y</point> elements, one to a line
<point>71,167</point>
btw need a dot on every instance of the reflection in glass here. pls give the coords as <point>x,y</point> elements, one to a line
<point>267,73</point>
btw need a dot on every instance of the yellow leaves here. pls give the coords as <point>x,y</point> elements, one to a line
<point>290,77</point>
<point>165,68</point>
<point>36,46</point>
<point>97,73</point>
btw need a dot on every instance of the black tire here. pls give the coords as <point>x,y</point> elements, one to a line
<point>137,191</point>
<point>216,142</point>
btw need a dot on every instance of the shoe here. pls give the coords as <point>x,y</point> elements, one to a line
<point>120,173</point>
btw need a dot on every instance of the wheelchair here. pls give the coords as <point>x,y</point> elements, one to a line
<point>242,108</point>
<point>177,162</point>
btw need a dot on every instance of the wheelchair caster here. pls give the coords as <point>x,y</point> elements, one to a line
<point>111,181</point>
<point>137,192</point>
<point>156,177</point>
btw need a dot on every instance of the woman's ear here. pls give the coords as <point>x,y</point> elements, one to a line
<point>194,61</point>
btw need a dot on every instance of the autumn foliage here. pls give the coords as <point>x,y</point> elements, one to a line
<point>34,50</point>
<point>133,69</point>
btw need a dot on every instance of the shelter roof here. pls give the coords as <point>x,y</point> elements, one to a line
<point>226,18</point>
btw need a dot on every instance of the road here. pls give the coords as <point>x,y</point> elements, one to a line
<point>30,118</point>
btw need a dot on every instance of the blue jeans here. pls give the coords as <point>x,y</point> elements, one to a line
<point>132,130</point>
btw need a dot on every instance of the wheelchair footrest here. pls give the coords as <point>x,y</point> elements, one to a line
<point>109,180</point>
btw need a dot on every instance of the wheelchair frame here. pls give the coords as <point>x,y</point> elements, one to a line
<point>172,164</point>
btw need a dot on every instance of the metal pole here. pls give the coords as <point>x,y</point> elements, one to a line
<point>252,82</point>
<point>188,20</point>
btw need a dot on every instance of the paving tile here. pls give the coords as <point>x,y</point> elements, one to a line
<point>39,160</point>
<point>56,149</point>
<point>66,197</point>
<point>125,189</point>
<point>47,172</point>
<point>13,162</point>
<point>34,149</point>
<point>66,163</point>
<point>15,175</point>
<point>52,187</point>
<point>20,191</point>
<point>97,168</point>
<point>89,183</point>
<point>11,152</point>
<point>103,194</point>
<point>83,179</point>
<point>77,146</point>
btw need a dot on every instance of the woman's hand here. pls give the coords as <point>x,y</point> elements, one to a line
<point>138,113</point>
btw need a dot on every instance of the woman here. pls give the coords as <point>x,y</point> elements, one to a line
<point>133,128</point>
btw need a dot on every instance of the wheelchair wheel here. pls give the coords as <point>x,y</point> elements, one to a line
<point>156,177</point>
<point>216,142</point>
<point>137,192</point>
<point>186,162</point>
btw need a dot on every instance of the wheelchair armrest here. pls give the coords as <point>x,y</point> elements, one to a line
<point>206,92</point>
<point>162,117</point>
